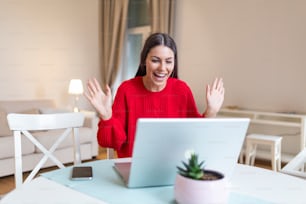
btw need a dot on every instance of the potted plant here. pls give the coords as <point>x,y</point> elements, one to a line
<point>195,185</point>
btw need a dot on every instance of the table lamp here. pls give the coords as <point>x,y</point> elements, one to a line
<point>76,88</point>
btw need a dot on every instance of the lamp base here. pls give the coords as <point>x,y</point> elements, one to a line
<point>76,103</point>
<point>76,109</point>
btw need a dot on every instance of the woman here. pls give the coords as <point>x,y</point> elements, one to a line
<point>155,92</point>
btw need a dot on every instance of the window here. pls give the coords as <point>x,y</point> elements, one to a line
<point>135,41</point>
<point>138,29</point>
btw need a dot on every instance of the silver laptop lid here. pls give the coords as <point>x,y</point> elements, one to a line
<point>160,146</point>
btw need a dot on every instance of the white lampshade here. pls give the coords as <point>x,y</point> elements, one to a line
<point>75,87</point>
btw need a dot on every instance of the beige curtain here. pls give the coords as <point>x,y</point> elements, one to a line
<point>162,15</point>
<point>114,18</point>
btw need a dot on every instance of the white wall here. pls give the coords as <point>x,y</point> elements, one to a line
<point>44,44</point>
<point>257,46</point>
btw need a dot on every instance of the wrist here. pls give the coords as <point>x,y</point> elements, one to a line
<point>210,114</point>
<point>106,116</point>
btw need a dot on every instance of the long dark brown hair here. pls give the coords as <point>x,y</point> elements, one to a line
<point>152,41</point>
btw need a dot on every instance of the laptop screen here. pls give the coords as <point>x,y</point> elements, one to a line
<point>161,145</point>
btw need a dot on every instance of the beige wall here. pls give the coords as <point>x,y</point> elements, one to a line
<point>45,43</point>
<point>257,46</point>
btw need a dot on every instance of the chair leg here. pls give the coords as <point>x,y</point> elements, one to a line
<point>274,157</point>
<point>247,154</point>
<point>279,156</point>
<point>273,162</point>
<point>241,157</point>
<point>253,159</point>
<point>253,154</point>
<point>250,154</point>
<point>77,148</point>
<point>18,159</point>
<point>279,166</point>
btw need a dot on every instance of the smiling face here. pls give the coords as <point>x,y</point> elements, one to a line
<point>159,66</point>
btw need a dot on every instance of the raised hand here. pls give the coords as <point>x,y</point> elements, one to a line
<point>214,97</point>
<point>101,101</point>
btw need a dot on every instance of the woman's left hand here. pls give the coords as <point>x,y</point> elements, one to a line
<point>214,97</point>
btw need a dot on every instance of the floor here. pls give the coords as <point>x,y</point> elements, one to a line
<point>7,183</point>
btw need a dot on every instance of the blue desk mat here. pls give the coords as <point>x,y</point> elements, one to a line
<point>107,186</point>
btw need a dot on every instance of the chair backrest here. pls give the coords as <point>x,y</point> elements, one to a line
<point>44,121</point>
<point>24,124</point>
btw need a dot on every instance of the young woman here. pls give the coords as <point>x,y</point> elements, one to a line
<point>155,92</point>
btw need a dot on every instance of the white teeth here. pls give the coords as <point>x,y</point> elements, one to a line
<point>160,75</point>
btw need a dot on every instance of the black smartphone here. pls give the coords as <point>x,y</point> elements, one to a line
<point>81,173</point>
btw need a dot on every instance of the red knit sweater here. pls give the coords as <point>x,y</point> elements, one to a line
<point>134,101</point>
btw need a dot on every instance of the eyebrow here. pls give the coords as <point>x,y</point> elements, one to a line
<point>169,58</point>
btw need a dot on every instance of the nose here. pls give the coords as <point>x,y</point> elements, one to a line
<point>163,65</point>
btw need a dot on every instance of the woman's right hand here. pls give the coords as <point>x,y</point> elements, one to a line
<point>101,101</point>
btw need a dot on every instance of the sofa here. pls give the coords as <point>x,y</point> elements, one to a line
<point>30,153</point>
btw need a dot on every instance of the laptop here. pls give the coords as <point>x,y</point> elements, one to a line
<point>161,145</point>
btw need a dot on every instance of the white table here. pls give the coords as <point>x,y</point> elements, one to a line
<point>42,190</point>
<point>255,185</point>
<point>272,186</point>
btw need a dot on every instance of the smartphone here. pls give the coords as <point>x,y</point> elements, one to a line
<point>81,173</point>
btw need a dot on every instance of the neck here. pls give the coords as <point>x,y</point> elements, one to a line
<point>150,86</point>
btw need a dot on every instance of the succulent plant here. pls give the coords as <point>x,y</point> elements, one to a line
<point>193,169</point>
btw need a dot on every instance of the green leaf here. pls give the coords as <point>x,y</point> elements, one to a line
<point>181,169</point>
<point>186,166</point>
<point>201,164</point>
<point>193,169</point>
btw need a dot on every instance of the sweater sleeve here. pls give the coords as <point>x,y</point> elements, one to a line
<point>111,133</point>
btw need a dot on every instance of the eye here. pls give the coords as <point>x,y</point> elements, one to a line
<point>154,60</point>
<point>169,61</point>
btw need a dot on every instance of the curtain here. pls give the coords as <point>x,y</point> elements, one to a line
<point>162,16</point>
<point>114,18</point>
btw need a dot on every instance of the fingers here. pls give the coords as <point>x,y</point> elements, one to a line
<point>207,90</point>
<point>214,84</point>
<point>94,87</point>
<point>214,97</point>
<point>97,86</point>
<point>108,90</point>
<point>218,84</point>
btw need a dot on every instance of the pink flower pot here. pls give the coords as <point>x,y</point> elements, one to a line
<point>190,191</point>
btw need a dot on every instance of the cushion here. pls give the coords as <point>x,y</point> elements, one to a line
<point>52,110</point>
<point>48,138</point>
<point>30,111</point>
<point>4,128</point>
<point>7,149</point>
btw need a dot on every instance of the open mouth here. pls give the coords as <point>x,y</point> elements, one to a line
<point>160,76</point>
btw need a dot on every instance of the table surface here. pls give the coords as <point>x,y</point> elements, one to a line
<point>248,185</point>
<point>43,190</point>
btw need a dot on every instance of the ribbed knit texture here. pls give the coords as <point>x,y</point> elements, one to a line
<point>133,101</point>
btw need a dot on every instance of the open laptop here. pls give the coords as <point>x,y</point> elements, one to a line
<point>161,145</point>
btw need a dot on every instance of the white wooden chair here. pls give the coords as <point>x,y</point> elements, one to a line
<point>274,142</point>
<point>296,167</point>
<point>24,124</point>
